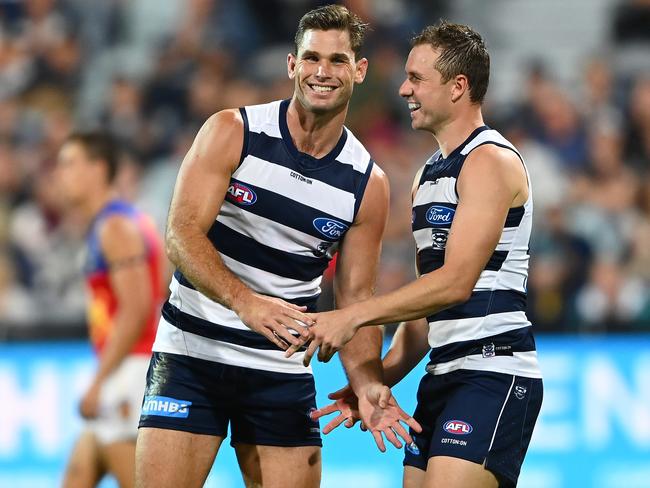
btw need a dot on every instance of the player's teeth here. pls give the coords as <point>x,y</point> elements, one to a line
<point>322,88</point>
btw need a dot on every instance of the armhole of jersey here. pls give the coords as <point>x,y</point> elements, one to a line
<point>417,182</point>
<point>362,188</point>
<point>494,143</point>
<point>244,148</point>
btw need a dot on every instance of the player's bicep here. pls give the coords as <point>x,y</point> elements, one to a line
<point>205,173</point>
<point>125,252</point>
<point>359,252</point>
<point>486,194</point>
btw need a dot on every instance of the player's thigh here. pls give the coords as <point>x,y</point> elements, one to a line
<point>84,467</point>
<point>450,472</point>
<point>413,477</point>
<point>279,467</point>
<point>173,458</point>
<point>119,459</point>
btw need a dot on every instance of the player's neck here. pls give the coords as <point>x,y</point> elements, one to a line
<point>93,205</point>
<point>457,130</point>
<point>314,134</point>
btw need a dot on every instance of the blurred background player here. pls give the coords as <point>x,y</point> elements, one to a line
<point>123,274</point>
<point>264,199</point>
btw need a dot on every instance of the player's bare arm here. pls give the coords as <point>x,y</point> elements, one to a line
<point>125,252</point>
<point>492,181</point>
<point>356,273</point>
<point>408,347</point>
<point>200,189</point>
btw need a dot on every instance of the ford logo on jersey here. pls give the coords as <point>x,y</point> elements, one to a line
<point>241,194</point>
<point>166,407</point>
<point>440,215</point>
<point>329,227</point>
<point>457,427</point>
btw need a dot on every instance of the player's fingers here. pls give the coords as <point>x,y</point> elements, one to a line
<point>280,330</point>
<point>299,321</point>
<point>402,432</point>
<point>320,412</point>
<point>309,353</point>
<point>349,423</point>
<point>384,397</point>
<point>300,308</point>
<point>291,351</point>
<point>275,339</point>
<point>342,393</point>
<point>392,438</point>
<point>379,440</point>
<point>413,424</point>
<point>363,427</point>
<point>324,353</point>
<point>333,424</point>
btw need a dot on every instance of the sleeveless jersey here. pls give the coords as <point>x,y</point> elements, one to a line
<point>490,331</point>
<point>103,300</point>
<point>279,226</point>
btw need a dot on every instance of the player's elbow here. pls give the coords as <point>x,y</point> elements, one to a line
<point>458,291</point>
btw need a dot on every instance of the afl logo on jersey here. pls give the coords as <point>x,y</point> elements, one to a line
<point>440,215</point>
<point>457,427</point>
<point>329,227</point>
<point>241,194</point>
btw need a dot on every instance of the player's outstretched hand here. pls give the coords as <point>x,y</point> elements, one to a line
<point>275,319</point>
<point>383,417</point>
<point>331,331</point>
<point>345,403</point>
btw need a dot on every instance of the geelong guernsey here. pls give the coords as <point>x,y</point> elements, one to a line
<point>490,331</point>
<point>279,226</point>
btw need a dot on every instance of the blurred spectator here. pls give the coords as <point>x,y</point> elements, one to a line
<point>153,71</point>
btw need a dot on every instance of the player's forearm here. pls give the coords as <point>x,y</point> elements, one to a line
<point>361,358</point>
<point>195,256</point>
<point>128,326</point>
<point>408,347</point>
<point>427,295</point>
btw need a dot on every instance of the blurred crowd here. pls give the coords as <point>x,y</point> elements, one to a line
<point>151,72</point>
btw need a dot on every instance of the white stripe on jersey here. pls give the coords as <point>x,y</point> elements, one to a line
<point>197,304</point>
<point>498,280</point>
<point>443,190</point>
<point>264,119</point>
<point>519,364</point>
<point>490,135</point>
<point>172,340</point>
<point>271,284</point>
<point>277,179</point>
<point>442,332</point>
<point>353,153</point>
<point>268,232</point>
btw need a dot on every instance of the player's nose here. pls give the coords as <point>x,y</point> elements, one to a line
<point>405,89</point>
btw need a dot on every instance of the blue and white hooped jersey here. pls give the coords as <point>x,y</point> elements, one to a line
<point>490,331</point>
<point>279,226</point>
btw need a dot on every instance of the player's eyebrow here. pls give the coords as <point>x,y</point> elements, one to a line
<point>336,56</point>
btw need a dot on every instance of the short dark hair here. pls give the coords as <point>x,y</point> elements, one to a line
<point>462,51</point>
<point>333,17</point>
<point>99,145</point>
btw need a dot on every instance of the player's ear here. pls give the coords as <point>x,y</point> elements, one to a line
<point>291,65</point>
<point>459,85</point>
<point>361,70</point>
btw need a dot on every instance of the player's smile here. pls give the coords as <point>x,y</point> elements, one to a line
<point>321,89</point>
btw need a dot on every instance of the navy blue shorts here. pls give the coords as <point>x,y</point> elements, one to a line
<point>483,417</point>
<point>203,397</point>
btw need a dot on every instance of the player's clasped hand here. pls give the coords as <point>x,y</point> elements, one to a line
<point>329,333</point>
<point>378,411</point>
<point>275,319</point>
